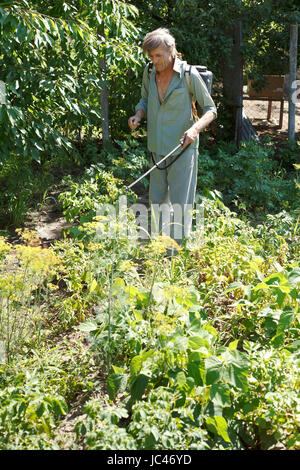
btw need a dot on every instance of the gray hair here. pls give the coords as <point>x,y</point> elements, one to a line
<point>159,37</point>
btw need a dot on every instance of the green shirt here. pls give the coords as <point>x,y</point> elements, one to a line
<point>167,122</point>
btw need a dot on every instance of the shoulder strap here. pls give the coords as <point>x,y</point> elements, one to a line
<point>187,74</point>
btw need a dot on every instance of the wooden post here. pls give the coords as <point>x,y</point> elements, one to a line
<point>269,110</point>
<point>239,82</point>
<point>281,114</point>
<point>292,79</point>
<point>104,101</point>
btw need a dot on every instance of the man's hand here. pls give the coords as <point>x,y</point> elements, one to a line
<point>191,134</point>
<point>188,137</point>
<point>135,120</point>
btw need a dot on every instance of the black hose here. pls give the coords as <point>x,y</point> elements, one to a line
<point>171,163</point>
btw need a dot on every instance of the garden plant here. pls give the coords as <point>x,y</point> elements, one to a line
<point>106,342</point>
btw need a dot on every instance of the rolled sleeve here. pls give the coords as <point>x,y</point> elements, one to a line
<point>201,93</point>
<point>143,103</point>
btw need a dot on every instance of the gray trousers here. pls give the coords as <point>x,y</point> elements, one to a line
<point>172,195</point>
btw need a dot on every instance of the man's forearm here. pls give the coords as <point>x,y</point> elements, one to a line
<point>140,114</point>
<point>134,121</point>
<point>204,121</point>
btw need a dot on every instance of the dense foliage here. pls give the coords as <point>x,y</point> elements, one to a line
<point>199,351</point>
<point>50,65</point>
<point>105,342</point>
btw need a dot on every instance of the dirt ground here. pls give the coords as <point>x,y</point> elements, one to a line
<point>257,112</point>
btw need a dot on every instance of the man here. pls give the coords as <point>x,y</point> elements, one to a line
<point>166,101</point>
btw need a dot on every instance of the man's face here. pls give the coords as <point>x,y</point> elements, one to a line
<point>161,58</point>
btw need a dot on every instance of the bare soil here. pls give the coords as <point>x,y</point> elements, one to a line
<point>48,224</point>
<point>257,112</point>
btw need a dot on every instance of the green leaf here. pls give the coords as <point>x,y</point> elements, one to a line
<point>93,285</point>
<point>235,369</point>
<point>213,368</point>
<point>88,325</point>
<point>286,319</point>
<point>76,108</point>
<point>294,277</point>
<point>118,285</point>
<point>40,409</point>
<point>12,116</point>
<point>118,370</point>
<point>220,394</point>
<point>181,343</point>
<point>22,407</point>
<point>59,406</point>
<point>195,356</point>
<point>138,387</point>
<point>196,326</point>
<point>237,377</point>
<point>138,315</point>
<point>131,291</point>
<point>196,370</point>
<point>38,146</point>
<point>218,425</point>
<point>46,427</point>
<point>136,365</point>
<point>180,379</point>
<point>233,345</point>
<point>278,340</point>
<point>211,330</point>
<point>116,383</point>
<point>3,113</point>
<point>195,342</point>
<point>181,400</point>
<point>145,355</point>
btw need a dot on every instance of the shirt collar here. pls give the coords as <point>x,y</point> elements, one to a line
<point>178,66</point>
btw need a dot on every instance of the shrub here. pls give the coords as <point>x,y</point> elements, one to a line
<point>249,175</point>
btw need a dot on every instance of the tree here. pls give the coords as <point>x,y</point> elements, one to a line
<point>49,61</point>
<point>37,63</point>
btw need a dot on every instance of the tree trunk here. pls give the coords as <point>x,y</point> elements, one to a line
<point>232,72</point>
<point>104,96</point>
